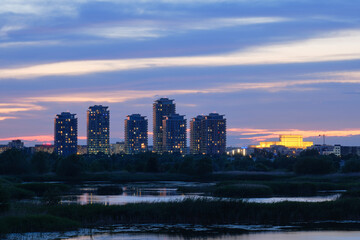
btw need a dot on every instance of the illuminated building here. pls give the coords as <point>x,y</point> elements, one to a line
<point>213,136</point>
<point>174,134</point>
<point>3,148</point>
<point>195,134</point>
<point>48,148</point>
<point>66,126</point>
<point>136,134</point>
<point>82,149</point>
<point>117,148</point>
<point>98,138</point>
<point>289,141</point>
<point>161,108</point>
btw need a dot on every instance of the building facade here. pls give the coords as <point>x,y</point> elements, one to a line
<point>18,144</point>
<point>117,148</point>
<point>161,108</point>
<point>289,141</point>
<point>136,134</point>
<point>66,134</point>
<point>48,148</point>
<point>98,130</point>
<point>196,134</point>
<point>213,137</point>
<point>174,134</point>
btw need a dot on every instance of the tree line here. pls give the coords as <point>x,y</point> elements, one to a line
<point>19,162</point>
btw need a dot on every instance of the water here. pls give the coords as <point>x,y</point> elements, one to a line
<point>165,192</point>
<point>322,235</point>
<point>293,235</point>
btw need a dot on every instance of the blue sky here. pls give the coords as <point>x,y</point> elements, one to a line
<point>271,66</point>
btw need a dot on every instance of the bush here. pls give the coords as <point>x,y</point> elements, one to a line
<point>243,191</point>
<point>36,223</point>
<point>40,188</point>
<point>314,165</point>
<point>109,190</point>
<point>52,196</point>
<point>352,165</point>
<point>4,199</point>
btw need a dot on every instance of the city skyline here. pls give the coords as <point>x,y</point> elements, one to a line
<point>271,67</point>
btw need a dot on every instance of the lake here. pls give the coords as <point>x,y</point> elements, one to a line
<point>164,192</point>
<point>297,235</point>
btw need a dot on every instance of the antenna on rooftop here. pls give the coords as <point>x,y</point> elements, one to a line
<point>323,138</point>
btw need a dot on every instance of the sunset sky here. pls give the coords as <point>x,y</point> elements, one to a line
<point>270,66</point>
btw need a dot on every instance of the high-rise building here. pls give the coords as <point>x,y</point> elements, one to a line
<point>98,137</point>
<point>213,136</point>
<point>174,134</point>
<point>136,134</point>
<point>195,135</point>
<point>66,125</point>
<point>161,108</point>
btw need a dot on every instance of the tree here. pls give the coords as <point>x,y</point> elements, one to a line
<point>352,165</point>
<point>204,166</point>
<point>314,165</point>
<point>152,165</point>
<point>14,161</point>
<point>69,166</point>
<point>40,162</point>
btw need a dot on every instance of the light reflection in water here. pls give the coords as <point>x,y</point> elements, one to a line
<point>318,235</point>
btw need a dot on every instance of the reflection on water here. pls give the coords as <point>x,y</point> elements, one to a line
<point>321,235</point>
<point>324,198</point>
<point>293,235</point>
<point>143,193</point>
<point>131,194</point>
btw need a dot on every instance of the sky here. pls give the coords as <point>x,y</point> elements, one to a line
<point>270,66</point>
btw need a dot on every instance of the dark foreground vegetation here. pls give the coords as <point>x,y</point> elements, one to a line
<point>21,163</point>
<point>30,176</point>
<point>26,217</point>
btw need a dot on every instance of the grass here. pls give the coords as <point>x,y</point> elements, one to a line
<point>35,217</point>
<point>36,223</point>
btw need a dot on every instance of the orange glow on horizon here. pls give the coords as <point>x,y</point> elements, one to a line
<point>44,139</point>
<point>267,134</point>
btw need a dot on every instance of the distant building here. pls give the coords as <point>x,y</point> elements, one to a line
<point>3,148</point>
<point>289,141</point>
<point>98,138</point>
<point>82,149</point>
<point>174,134</point>
<point>161,108</point>
<point>346,150</point>
<point>208,134</point>
<point>196,134</point>
<point>48,148</point>
<point>232,151</point>
<point>136,134</point>
<point>18,144</point>
<point>66,132</point>
<point>117,148</point>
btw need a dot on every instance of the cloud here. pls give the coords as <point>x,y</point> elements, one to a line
<point>5,30</point>
<point>6,108</point>
<point>29,43</point>
<point>141,29</point>
<point>119,96</point>
<point>36,138</point>
<point>257,135</point>
<point>337,46</point>
<point>5,118</point>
